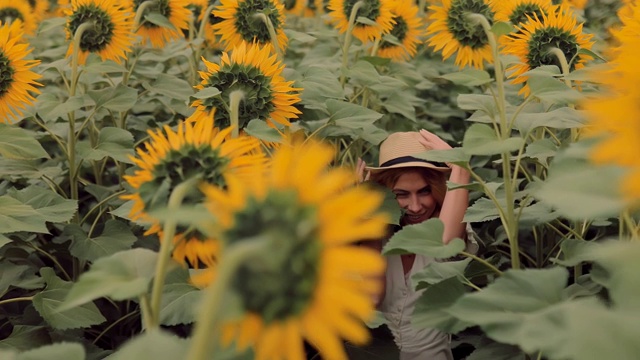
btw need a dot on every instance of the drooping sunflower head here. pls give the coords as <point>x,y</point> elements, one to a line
<point>294,7</point>
<point>110,35</point>
<point>452,32</point>
<point>377,11</point>
<point>518,12</point>
<point>17,81</point>
<point>12,11</point>
<point>172,157</point>
<point>197,9</point>
<point>557,29</point>
<point>407,31</point>
<point>245,20</point>
<point>175,11</point>
<point>312,282</point>
<point>256,72</point>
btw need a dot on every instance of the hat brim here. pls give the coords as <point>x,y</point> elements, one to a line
<point>406,165</point>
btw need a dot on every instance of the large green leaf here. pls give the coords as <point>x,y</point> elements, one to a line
<point>69,106</point>
<point>28,169</point>
<point>469,77</point>
<point>25,337</point>
<point>153,344</point>
<point>51,206</point>
<point>482,209</point>
<point>480,139</point>
<point>435,272</point>
<point>319,84</point>
<point>112,142</point>
<point>116,236</point>
<point>16,216</point>
<point>259,128</point>
<point>561,118</point>
<point>178,299</point>
<point>431,309</point>
<point>47,302</point>
<point>424,239</point>
<point>553,90</point>
<point>58,351</point>
<point>21,276</point>
<point>173,87</point>
<point>455,155</point>
<point>123,275</point>
<point>18,143</point>
<point>349,115</point>
<point>121,98</point>
<point>497,351</point>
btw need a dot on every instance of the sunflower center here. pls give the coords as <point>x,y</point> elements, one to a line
<point>281,283</point>
<point>159,6</point>
<point>290,4</point>
<point>8,14</point>
<point>466,32</point>
<point>369,9</point>
<point>257,102</point>
<point>97,37</point>
<point>250,27</point>
<point>32,3</point>
<point>6,74</point>
<point>311,4</point>
<point>399,30</point>
<point>520,13</point>
<point>179,165</point>
<point>546,38</point>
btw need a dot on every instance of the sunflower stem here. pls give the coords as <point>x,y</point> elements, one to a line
<point>234,111</point>
<point>347,41</point>
<point>510,220</point>
<point>207,329</point>
<point>7,301</point>
<point>272,34</point>
<point>200,37</point>
<point>564,65</point>
<point>205,21</point>
<point>166,245</point>
<point>140,12</point>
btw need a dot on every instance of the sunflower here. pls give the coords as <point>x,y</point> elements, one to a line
<point>378,11</point>
<point>255,71</point>
<point>576,4</point>
<point>16,78</point>
<point>169,159</point>
<point>175,11</point>
<point>12,11</point>
<point>407,30</point>
<point>294,7</point>
<point>197,8</point>
<point>111,37</point>
<point>39,8</point>
<point>315,284</point>
<point>518,12</point>
<point>531,43</point>
<point>452,32</point>
<point>240,22</point>
<point>615,116</point>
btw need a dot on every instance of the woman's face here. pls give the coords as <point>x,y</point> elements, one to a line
<point>414,195</point>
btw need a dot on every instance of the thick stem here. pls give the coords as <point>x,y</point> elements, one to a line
<point>166,245</point>
<point>234,111</point>
<point>140,12</point>
<point>564,65</point>
<point>8,301</point>
<point>347,41</point>
<point>206,332</point>
<point>272,34</point>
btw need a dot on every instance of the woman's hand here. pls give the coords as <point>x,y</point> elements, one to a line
<point>432,141</point>
<point>360,171</point>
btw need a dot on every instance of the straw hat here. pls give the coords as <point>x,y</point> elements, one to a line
<point>398,150</point>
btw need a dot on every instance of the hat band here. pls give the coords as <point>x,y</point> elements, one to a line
<point>406,159</point>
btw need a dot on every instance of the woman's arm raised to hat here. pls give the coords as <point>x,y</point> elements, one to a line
<point>455,201</point>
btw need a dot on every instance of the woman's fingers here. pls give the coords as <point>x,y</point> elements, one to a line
<point>360,170</point>
<point>432,141</point>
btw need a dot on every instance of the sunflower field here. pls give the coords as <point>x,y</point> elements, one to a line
<point>177,177</point>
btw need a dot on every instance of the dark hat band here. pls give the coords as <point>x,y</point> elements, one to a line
<point>406,159</point>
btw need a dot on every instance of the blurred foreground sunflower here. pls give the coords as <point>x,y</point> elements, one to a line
<point>241,22</point>
<point>313,284</point>
<point>257,73</point>
<point>377,12</point>
<point>452,32</point>
<point>533,40</point>
<point>407,31</point>
<point>17,81</point>
<point>615,116</point>
<point>172,157</point>
<point>111,35</point>
<point>176,15</point>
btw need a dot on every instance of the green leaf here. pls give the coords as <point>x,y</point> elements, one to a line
<point>121,98</point>
<point>319,84</point>
<point>28,169</point>
<point>349,115</point>
<point>152,344</point>
<point>484,103</point>
<point>104,67</point>
<point>206,93</point>
<point>435,272</point>
<point>481,210</point>
<point>431,308</point>
<point>500,28</point>
<point>541,150</point>
<point>480,139</point>
<point>112,142</point>
<point>497,351</point>
<point>25,337</point>
<point>562,118</point>
<point>116,236</point>
<point>4,241</point>
<point>469,77</point>
<point>402,103</point>
<point>376,60</point>
<point>18,143</point>
<point>176,88</point>
<point>178,300</point>
<point>58,351</point>
<point>593,54</point>
<point>424,239</point>
<point>453,155</point>
<point>123,275</point>
<point>72,104</point>
<point>372,134</point>
<point>21,276</point>
<point>552,90</point>
<point>366,21</point>
<point>159,19</point>
<point>47,301</point>
<point>123,210</point>
<point>51,24</point>
<point>16,216</point>
<point>259,128</point>
<point>51,206</point>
